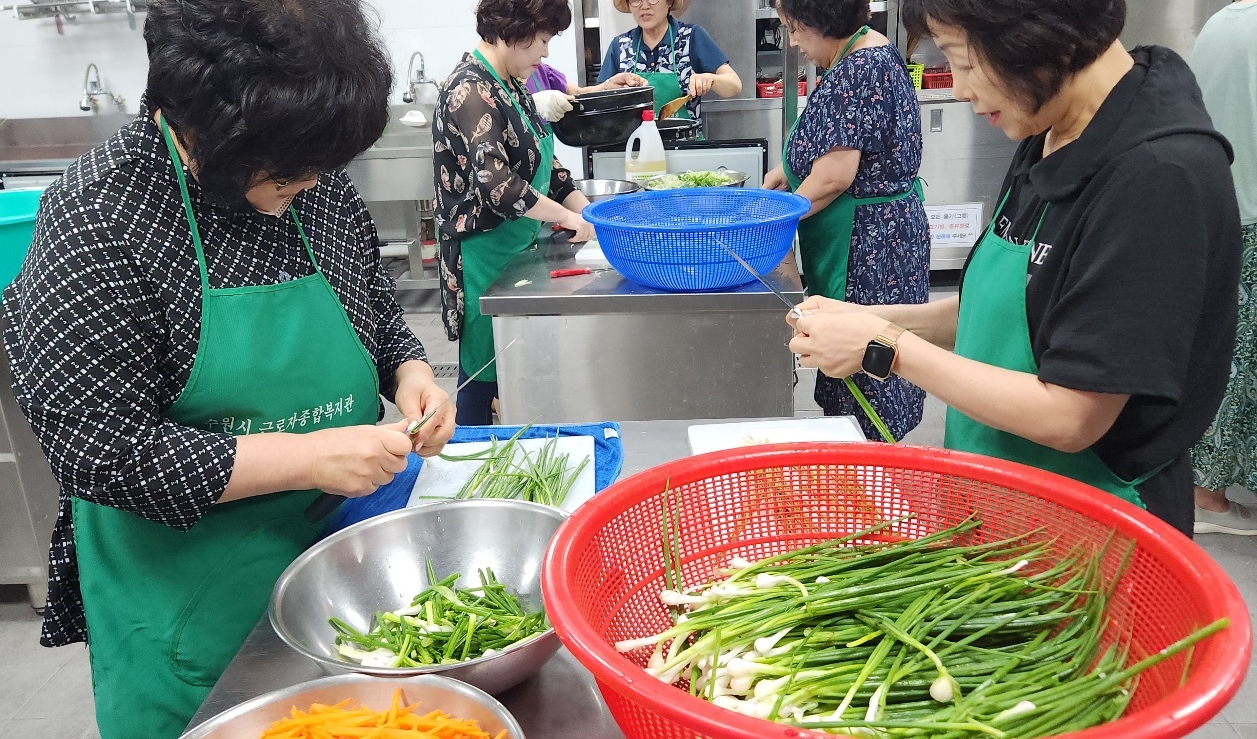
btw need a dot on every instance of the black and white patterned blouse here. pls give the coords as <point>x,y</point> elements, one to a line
<point>101,329</point>
<point>484,158</point>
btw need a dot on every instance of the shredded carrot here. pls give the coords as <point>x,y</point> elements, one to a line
<point>398,721</point>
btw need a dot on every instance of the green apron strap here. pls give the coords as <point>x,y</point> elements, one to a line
<point>667,85</point>
<point>187,202</point>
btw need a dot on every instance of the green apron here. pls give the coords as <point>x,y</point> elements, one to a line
<point>667,84</point>
<point>825,236</point>
<point>167,609</point>
<point>993,329</point>
<point>486,255</point>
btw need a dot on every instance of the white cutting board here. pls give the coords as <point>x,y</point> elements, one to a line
<point>720,436</point>
<point>591,255</point>
<point>441,479</point>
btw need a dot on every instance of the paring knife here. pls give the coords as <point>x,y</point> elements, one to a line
<point>327,502</point>
<point>794,309</point>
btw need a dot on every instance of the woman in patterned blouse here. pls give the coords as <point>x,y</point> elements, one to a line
<point>855,153</point>
<point>200,336</point>
<point>496,178</point>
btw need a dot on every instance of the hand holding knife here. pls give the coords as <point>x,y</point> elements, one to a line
<point>327,502</point>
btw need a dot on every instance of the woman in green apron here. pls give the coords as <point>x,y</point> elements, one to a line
<point>854,153</point>
<point>1093,329</point>
<point>496,177</point>
<point>675,58</point>
<point>200,337</point>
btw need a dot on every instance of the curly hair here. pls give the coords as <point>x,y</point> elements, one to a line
<point>280,89</point>
<point>1033,46</point>
<point>831,18</point>
<point>520,21</point>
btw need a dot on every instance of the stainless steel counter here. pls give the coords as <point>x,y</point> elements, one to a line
<point>559,702</point>
<point>599,346</point>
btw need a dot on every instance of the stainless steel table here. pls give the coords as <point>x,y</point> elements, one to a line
<point>600,346</point>
<point>558,702</point>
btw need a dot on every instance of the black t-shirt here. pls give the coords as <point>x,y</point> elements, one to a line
<point>1132,284</point>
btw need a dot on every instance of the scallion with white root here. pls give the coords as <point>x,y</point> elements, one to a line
<point>919,637</point>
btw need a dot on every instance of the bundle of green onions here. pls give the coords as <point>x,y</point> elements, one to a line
<point>442,626</point>
<point>508,471</point>
<point>912,638</point>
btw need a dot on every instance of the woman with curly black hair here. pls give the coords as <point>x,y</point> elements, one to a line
<point>854,153</point>
<point>497,178</point>
<point>1094,327</point>
<point>200,336</point>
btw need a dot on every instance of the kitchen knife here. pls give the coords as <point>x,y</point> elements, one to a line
<point>327,502</point>
<point>794,309</point>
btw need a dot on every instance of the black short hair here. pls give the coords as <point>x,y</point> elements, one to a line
<point>517,21</point>
<point>832,18</point>
<point>1034,46</point>
<point>282,89</point>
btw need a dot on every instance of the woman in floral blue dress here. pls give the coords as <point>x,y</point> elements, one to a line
<point>855,153</point>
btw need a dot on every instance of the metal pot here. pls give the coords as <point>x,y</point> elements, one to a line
<point>601,102</point>
<point>677,129</point>
<point>597,190</point>
<point>602,128</point>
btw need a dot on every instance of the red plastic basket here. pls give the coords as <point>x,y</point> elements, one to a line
<point>604,570</point>
<point>936,80</point>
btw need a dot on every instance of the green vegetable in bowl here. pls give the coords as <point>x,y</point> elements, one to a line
<point>688,180</point>
<point>443,626</point>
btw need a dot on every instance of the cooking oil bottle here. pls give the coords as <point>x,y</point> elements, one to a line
<point>649,160</point>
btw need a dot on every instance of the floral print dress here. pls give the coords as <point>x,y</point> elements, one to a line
<point>867,102</point>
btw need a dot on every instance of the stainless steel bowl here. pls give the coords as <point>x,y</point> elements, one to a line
<point>380,565</point>
<point>432,692</point>
<point>737,179</point>
<point>597,190</point>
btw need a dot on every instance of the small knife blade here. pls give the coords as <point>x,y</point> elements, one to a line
<point>327,502</point>
<point>794,309</point>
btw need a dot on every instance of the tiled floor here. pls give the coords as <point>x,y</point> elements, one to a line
<point>46,693</point>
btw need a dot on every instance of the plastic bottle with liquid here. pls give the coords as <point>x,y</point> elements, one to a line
<point>649,160</point>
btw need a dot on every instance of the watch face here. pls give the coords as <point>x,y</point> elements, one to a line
<point>878,359</point>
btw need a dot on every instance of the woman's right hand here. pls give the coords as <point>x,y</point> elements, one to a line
<point>819,304</point>
<point>574,222</point>
<point>354,461</point>
<point>776,180</point>
<point>624,79</point>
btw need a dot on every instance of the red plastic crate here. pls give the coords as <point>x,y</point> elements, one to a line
<point>936,81</point>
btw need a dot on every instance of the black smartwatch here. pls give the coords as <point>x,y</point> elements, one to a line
<point>879,355</point>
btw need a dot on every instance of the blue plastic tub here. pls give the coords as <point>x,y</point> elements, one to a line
<point>671,239</point>
<point>17,228</point>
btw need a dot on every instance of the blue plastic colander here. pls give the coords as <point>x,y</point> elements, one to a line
<point>671,239</point>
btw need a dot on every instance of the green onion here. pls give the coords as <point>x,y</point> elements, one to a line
<point>507,471</point>
<point>442,625</point>
<point>935,636</point>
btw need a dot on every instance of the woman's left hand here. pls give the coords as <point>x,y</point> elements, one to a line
<point>700,84</point>
<point>417,394</point>
<point>834,342</point>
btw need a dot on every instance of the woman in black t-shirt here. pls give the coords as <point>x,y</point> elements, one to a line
<point>1093,331</point>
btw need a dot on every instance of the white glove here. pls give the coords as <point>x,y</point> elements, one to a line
<point>552,104</point>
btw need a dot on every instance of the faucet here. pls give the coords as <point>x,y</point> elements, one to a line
<point>416,78</point>
<point>93,88</point>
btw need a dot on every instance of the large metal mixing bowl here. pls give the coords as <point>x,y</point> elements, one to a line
<point>597,190</point>
<point>381,564</point>
<point>431,692</point>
